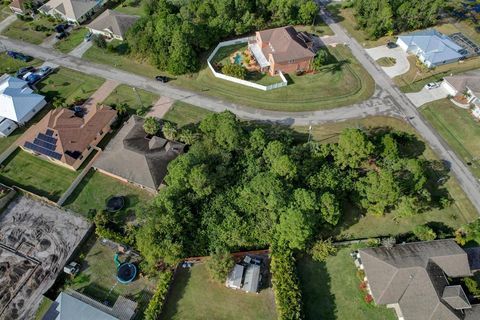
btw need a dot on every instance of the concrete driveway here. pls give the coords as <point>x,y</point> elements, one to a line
<point>425,96</point>
<point>401,66</point>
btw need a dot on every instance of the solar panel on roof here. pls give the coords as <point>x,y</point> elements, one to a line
<point>44,144</point>
<point>44,151</point>
<point>47,138</point>
<point>49,132</point>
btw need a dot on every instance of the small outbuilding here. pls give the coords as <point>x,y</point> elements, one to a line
<point>7,126</point>
<point>252,278</point>
<point>235,277</point>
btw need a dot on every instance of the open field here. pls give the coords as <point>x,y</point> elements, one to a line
<point>195,296</point>
<point>134,98</point>
<point>36,175</point>
<point>10,65</point>
<point>40,238</point>
<point>96,188</point>
<point>330,290</point>
<point>183,113</point>
<point>97,278</point>
<point>354,226</point>
<point>458,127</point>
<point>27,30</point>
<point>74,39</point>
<point>342,83</point>
<point>121,61</point>
<point>416,78</point>
<point>68,84</point>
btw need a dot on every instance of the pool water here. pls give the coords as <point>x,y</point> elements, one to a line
<point>238,58</point>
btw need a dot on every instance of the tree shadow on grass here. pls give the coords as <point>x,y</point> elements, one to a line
<point>176,293</point>
<point>315,284</point>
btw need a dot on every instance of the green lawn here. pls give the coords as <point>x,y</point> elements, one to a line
<point>36,175</point>
<point>183,113</point>
<point>136,9</point>
<point>386,61</point>
<point>355,226</point>
<point>124,62</point>
<point>458,127</point>
<point>68,84</point>
<point>97,277</point>
<point>134,98</point>
<point>339,84</point>
<point>10,65</point>
<point>25,30</point>
<point>43,308</point>
<point>330,290</point>
<point>416,78</point>
<point>195,296</point>
<point>4,11</point>
<point>73,40</point>
<point>96,188</point>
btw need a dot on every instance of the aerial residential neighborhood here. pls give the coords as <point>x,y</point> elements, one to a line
<point>274,159</point>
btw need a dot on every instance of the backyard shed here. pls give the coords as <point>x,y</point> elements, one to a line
<point>234,279</point>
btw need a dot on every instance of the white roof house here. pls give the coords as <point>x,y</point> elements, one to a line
<point>18,102</point>
<point>431,47</point>
<point>76,11</point>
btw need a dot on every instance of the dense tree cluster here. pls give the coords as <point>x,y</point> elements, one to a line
<point>385,17</point>
<point>172,34</point>
<point>242,186</point>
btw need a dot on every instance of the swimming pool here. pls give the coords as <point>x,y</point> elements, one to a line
<point>238,58</point>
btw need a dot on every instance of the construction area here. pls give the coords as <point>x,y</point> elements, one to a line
<point>36,239</point>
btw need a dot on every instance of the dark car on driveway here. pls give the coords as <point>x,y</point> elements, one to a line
<point>19,56</point>
<point>162,79</point>
<point>33,78</point>
<point>391,45</point>
<point>44,71</point>
<point>61,35</point>
<point>23,71</point>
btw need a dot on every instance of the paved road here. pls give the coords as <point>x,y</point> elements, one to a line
<point>380,104</point>
<point>404,106</point>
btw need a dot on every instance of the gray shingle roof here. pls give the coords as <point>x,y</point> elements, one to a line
<point>132,156</point>
<point>455,297</point>
<point>414,276</point>
<point>113,21</point>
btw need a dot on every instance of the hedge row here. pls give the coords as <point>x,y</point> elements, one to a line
<point>286,286</point>
<point>156,303</point>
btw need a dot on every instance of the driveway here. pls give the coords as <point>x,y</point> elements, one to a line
<point>401,66</point>
<point>425,96</point>
<point>81,49</point>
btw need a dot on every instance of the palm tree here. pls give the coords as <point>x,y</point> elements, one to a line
<point>169,130</point>
<point>121,108</point>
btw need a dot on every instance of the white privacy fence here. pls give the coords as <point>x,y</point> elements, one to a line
<point>283,83</point>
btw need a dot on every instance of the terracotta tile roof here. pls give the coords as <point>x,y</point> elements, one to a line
<point>285,44</point>
<point>73,133</point>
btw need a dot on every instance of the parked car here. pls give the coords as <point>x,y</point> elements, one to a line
<point>162,79</point>
<point>72,268</point>
<point>391,45</point>
<point>33,78</point>
<point>44,71</point>
<point>432,85</point>
<point>88,37</point>
<point>61,27</point>
<point>23,71</point>
<point>61,35</point>
<point>19,56</point>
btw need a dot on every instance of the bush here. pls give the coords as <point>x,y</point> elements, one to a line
<point>155,305</point>
<point>220,264</point>
<point>322,249</point>
<point>151,126</point>
<point>472,286</point>
<point>286,286</point>
<point>99,41</point>
<point>234,70</point>
<point>424,233</point>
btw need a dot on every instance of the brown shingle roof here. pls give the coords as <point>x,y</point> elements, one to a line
<point>285,44</point>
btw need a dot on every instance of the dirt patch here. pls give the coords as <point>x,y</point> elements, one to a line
<point>36,240</point>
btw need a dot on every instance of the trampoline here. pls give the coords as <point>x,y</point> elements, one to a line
<point>115,203</point>
<point>126,272</point>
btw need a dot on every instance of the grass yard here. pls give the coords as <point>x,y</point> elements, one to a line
<point>135,9</point>
<point>135,98</point>
<point>43,308</point>
<point>342,83</point>
<point>97,278</point>
<point>68,84</point>
<point>416,78</point>
<point>355,226</point>
<point>36,175</point>
<point>4,11</point>
<point>183,113</point>
<point>387,62</point>
<point>121,61</point>
<point>73,40</point>
<point>96,188</point>
<point>194,296</point>
<point>10,65</point>
<point>27,30</point>
<point>458,127</point>
<point>330,290</point>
